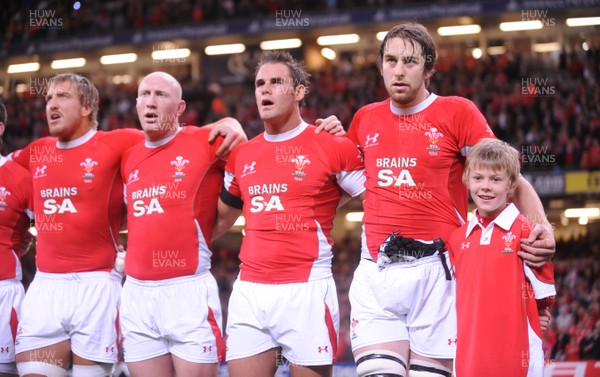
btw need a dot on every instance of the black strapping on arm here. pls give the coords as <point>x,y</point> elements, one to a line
<point>231,200</point>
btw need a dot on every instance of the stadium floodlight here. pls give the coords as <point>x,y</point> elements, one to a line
<point>445,31</point>
<point>118,58</point>
<point>496,50</point>
<point>521,25</point>
<point>121,79</point>
<point>354,217</point>
<point>585,46</point>
<point>583,21</point>
<point>582,212</point>
<point>546,47</point>
<point>24,67</point>
<point>67,63</point>
<point>175,53</point>
<point>280,44</point>
<point>340,39</point>
<point>234,48</point>
<point>381,35</point>
<point>328,53</point>
<point>477,53</point>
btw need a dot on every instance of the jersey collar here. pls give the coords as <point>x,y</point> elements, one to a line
<point>3,160</point>
<point>415,109</point>
<point>76,142</point>
<point>286,135</point>
<point>504,220</point>
<point>161,142</point>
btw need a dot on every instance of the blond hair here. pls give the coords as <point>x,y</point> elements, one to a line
<point>496,155</point>
<point>88,94</point>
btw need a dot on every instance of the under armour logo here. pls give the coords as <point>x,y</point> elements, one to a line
<point>40,171</point>
<point>323,349</point>
<point>133,176</point>
<point>465,245</point>
<point>450,341</point>
<point>249,168</point>
<point>207,349</point>
<point>4,349</point>
<point>109,349</point>
<point>371,140</point>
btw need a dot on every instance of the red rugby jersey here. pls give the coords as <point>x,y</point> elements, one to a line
<point>15,202</point>
<point>290,185</point>
<point>414,165</point>
<point>172,189</point>
<point>78,198</point>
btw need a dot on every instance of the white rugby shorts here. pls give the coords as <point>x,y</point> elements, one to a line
<point>81,307</point>
<point>301,318</point>
<point>405,301</point>
<point>11,296</point>
<point>181,316</point>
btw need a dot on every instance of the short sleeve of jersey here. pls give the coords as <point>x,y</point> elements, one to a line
<point>347,165</point>
<point>353,129</point>
<point>213,150</point>
<point>230,193</point>
<point>25,188</point>
<point>470,125</point>
<point>21,156</point>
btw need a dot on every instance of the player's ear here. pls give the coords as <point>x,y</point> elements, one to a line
<point>512,188</point>
<point>181,107</point>
<point>299,92</point>
<point>427,75</point>
<point>86,111</point>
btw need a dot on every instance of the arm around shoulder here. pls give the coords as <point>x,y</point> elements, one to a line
<point>232,132</point>
<point>540,246</point>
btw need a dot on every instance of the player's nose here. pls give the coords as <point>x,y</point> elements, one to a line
<point>399,69</point>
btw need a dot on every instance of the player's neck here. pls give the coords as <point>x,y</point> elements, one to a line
<point>421,96</point>
<point>83,129</point>
<point>486,218</point>
<point>276,127</point>
<point>166,133</point>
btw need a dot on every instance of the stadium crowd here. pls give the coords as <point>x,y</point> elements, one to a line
<point>548,109</point>
<point>93,18</point>
<point>574,333</point>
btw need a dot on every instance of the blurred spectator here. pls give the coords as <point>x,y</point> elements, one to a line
<point>591,155</point>
<point>589,348</point>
